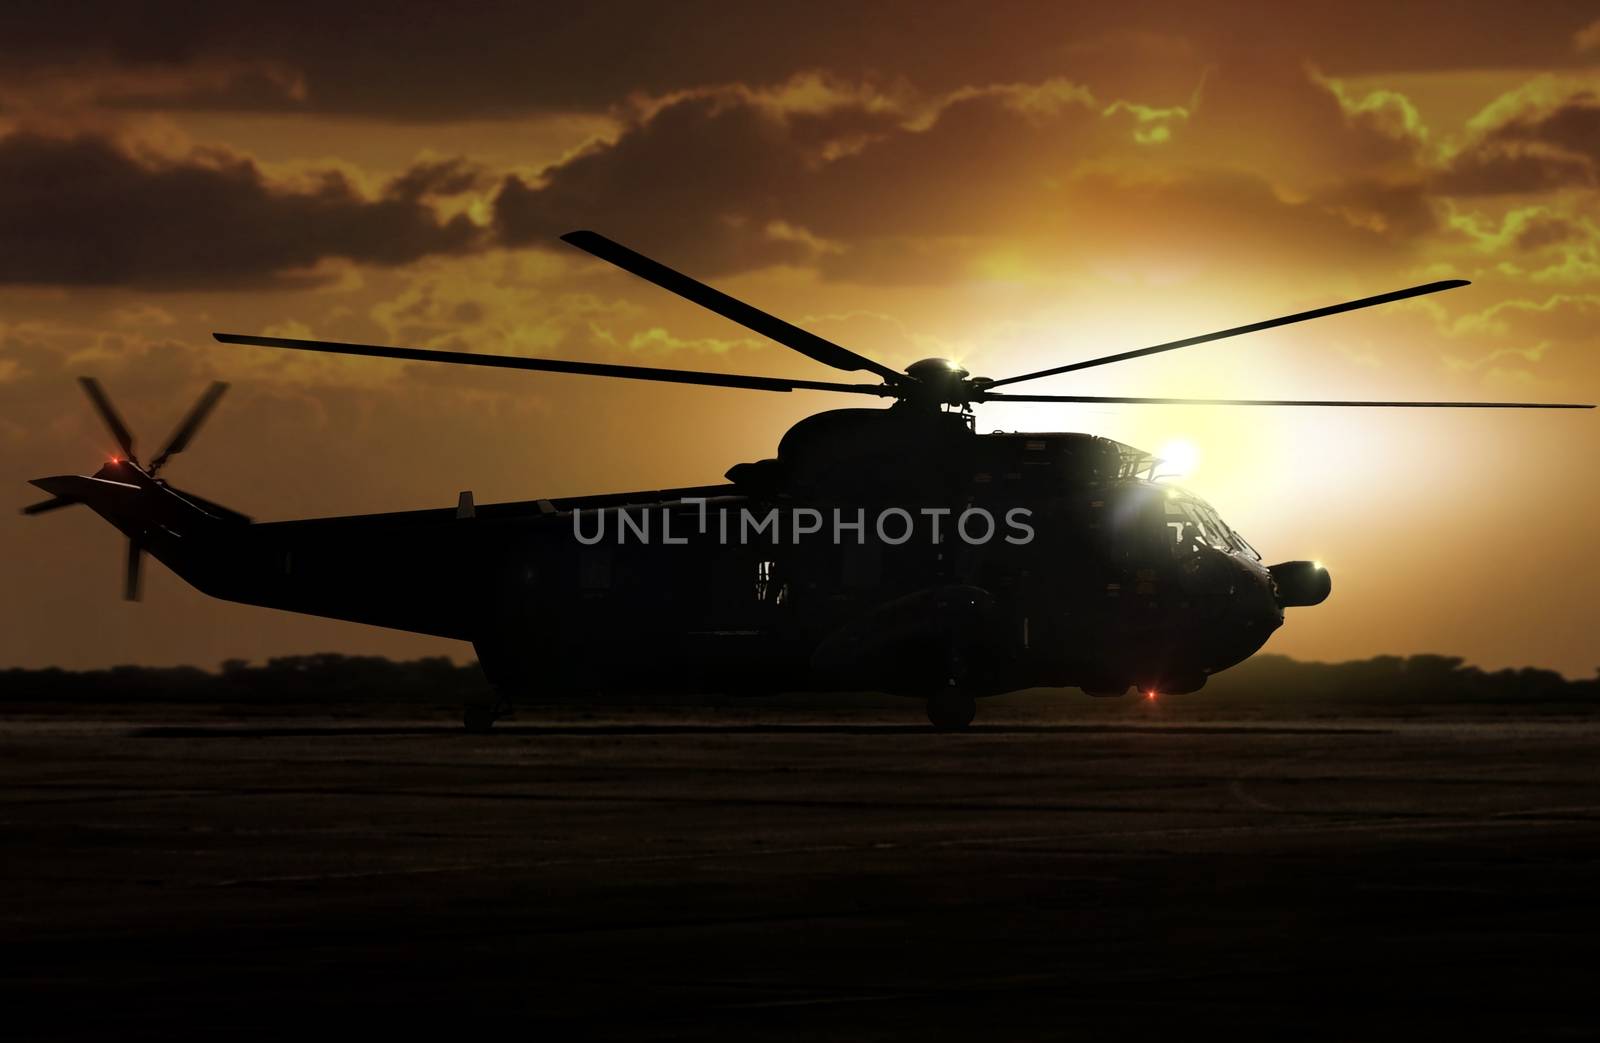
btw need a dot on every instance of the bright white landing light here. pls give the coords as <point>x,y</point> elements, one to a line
<point>1179,458</point>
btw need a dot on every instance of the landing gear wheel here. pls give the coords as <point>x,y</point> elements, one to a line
<point>951,711</point>
<point>478,720</point>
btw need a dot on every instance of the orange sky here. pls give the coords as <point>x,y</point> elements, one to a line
<point>1010,185</point>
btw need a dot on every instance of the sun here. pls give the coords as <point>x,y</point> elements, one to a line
<point>1179,458</point>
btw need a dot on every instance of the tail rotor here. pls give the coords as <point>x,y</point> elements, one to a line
<point>122,468</point>
<point>186,430</point>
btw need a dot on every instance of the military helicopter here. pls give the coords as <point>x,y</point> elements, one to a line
<point>892,549</point>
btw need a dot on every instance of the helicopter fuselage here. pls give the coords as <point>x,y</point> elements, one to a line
<point>881,550</point>
<point>985,562</point>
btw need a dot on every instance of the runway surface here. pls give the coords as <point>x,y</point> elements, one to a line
<point>796,879</point>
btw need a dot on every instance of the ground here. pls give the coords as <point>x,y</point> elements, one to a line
<point>784,876</point>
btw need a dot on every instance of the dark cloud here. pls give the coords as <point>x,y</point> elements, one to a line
<point>84,211</point>
<point>731,180</point>
<point>425,60</point>
<point>1398,211</point>
<point>438,178</point>
<point>1237,221</point>
<point>1546,231</point>
<point>1497,170</point>
<point>701,179</point>
<point>1573,125</point>
<point>1539,149</point>
<point>868,189</point>
<point>250,87</point>
<point>966,173</point>
<point>1269,110</point>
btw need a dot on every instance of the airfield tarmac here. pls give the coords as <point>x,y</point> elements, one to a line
<point>786,877</point>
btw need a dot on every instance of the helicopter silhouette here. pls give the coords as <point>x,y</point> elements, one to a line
<point>892,549</point>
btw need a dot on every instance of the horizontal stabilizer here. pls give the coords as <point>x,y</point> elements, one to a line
<point>81,488</point>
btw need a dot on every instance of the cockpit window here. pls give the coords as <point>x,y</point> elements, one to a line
<point>1187,516</point>
<point>1189,524</point>
<point>1151,520</point>
<point>1244,545</point>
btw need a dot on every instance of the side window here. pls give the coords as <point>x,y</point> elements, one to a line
<point>770,586</point>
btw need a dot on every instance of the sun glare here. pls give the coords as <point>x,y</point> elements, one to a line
<point>1179,458</point>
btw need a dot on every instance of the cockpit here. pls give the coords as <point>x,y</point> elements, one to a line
<point>1193,523</point>
<point>1152,522</point>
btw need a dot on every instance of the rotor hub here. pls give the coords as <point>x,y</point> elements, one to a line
<point>941,381</point>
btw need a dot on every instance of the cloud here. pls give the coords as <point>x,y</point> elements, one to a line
<point>88,211</point>
<point>1530,144</point>
<point>894,186</point>
<point>414,61</point>
<point>864,180</point>
<point>707,177</point>
<point>1562,318</point>
<point>696,181</point>
<point>436,178</point>
<point>1531,343</point>
<point>1546,231</point>
<point>1588,38</point>
<point>84,83</point>
<point>1573,125</point>
<point>1271,113</point>
<point>1553,241</point>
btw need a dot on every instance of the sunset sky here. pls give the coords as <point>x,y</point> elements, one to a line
<point>1010,185</point>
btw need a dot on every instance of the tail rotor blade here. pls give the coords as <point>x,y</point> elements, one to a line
<point>133,572</point>
<point>52,504</point>
<point>103,406</point>
<point>186,430</point>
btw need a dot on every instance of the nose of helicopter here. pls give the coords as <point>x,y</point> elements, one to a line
<point>1254,612</point>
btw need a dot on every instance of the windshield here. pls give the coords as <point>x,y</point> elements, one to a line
<point>1190,518</point>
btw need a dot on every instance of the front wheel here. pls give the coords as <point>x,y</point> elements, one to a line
<point>478,719</point>
<point>951,711</point>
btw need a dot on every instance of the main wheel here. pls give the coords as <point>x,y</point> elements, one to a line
<point>478,719</point>
<point>951,711</point>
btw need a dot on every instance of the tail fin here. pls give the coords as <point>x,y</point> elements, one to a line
<point>154,516</point>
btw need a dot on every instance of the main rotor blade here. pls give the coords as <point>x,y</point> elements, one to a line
<point>1128,401</point>
<point>787,334</point>
<point>133,571</point>
<point>593,369</point>
<point>191,423</point>
<point>55,503</point>
<point>1254,327</point>
<point>102,404</point>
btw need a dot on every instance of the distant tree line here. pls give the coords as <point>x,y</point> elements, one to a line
<point>328,678</point>
<point>1389,680</point>
<point>323,677</point>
